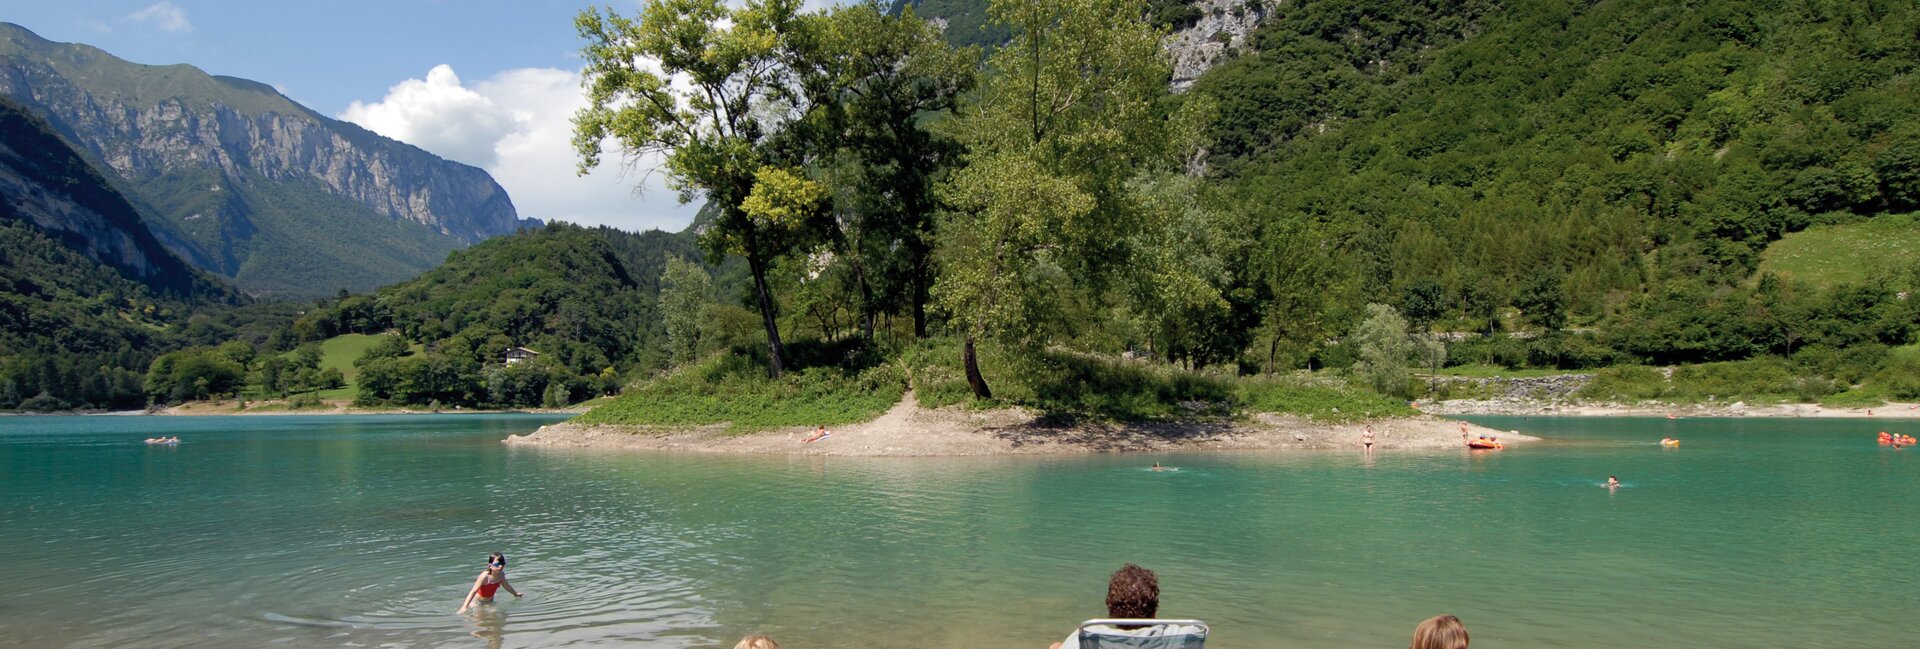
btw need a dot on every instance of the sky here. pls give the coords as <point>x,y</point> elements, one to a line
<point>491,83</point>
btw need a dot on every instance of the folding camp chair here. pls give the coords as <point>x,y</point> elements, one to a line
<point>1154,634</point>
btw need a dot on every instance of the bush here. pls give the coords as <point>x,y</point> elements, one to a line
<point>734,389</point>
<point>1324,400</point>
<point>1900,378</point>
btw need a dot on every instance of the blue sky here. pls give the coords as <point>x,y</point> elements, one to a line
<point>485,82</point>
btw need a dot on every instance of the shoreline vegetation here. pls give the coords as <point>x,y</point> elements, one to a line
<point>910,429</point>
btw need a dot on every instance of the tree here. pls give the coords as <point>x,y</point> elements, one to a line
<point>1480,300</point>
<point>705,86</point>
<point>1296,269</point>
<point>1424,301</point>
<point>1069,116</point>
<point>686,304</point>
<point>1384,349</point>
<point>1543,300</point>
<point>385,347</point>
<point>879,80</point>
<point>330,379</point>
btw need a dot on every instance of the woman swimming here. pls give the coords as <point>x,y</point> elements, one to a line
<point>490,580</point>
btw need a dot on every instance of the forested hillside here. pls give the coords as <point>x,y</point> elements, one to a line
<point>87,295</point>
<point>583,299</point>
<point>1629,159</point>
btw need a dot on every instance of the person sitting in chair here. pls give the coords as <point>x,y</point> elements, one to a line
<point>1133,593</point>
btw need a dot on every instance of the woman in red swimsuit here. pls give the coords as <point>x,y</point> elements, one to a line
<point>490,580</point>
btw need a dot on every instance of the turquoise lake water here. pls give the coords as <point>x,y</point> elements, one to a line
<point>366,531</point>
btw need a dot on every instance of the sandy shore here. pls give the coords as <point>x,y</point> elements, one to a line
<point>1737,409</point>
<point>909,430</point>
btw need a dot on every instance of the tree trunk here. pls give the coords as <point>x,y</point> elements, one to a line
<point>972,361</point>
<point>867,311</point>
<point>920,291</point>
<point>776,353</point>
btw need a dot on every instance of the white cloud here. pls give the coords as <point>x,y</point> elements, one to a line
<point>517,125</point>
<point>437,114</point>
<point>165,16</point>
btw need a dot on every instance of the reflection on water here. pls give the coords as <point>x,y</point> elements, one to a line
<point>368,531</point>
<point>490,624</point>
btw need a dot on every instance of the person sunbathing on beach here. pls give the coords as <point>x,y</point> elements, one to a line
<point>816,436</point>
<point>490,581</point>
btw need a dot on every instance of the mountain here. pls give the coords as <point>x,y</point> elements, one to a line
<point>1201,33</point>
<point>88,296</point>
<point>248,184</point>
<point>49,186</point>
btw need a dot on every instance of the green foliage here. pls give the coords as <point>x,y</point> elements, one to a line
<point>968,23</point>
<point>1053,145</point>
<point>86,306</point>
<point>686,305</point>
<point>1542,300</point>
<point>1321,399</point>
<point>1384,351</point>
<point>715,124</point>
<point>1759,380</point>
<point>1481,145</point>
<point>1843,253</point>
<point>732,389</point>
<point>193,374</point>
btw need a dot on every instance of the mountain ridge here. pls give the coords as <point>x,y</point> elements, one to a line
<point>178,137</point>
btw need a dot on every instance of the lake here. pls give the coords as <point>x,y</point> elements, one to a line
<point>366,531</point>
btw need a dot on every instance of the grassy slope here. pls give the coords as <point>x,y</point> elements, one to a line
<point>1827,255</point>
<point>340,352</point>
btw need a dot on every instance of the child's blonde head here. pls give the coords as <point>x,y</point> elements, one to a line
<point>1440,632</point>
<point>757,641</point>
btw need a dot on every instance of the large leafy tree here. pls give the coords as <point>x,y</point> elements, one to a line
<point>1069,118</point>
<point>878,81</point>
<point>707,87</point>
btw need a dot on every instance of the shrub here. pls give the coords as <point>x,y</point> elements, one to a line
<point>1320,399</point>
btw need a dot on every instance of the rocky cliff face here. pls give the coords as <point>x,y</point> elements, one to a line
<point>175,133</point>
<point>1221,27</point>
<point>140,140</point>
<point>46,184</point>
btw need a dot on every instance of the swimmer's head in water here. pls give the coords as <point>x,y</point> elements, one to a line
<point>497,560</point>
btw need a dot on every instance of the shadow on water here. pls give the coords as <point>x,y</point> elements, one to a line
<point>1113,436</point>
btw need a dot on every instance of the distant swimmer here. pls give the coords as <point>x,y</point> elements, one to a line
<point>1671,416</point>
<point>1157,467</point>
<point>1669,441</point>
<point>1613,482</point>
<point>817,436</point>
<point>490,581</point>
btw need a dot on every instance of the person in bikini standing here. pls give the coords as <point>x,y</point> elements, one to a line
<point>490,581</point>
